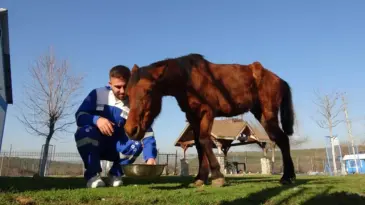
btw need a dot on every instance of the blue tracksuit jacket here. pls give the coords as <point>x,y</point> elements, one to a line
<point>101,102</point>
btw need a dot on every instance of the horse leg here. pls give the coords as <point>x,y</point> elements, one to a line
<point>207,146</point>
<point>271,125</point>
<point>203,172</point>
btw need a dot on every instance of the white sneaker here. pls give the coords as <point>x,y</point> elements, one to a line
<point>95,182</point>
<point>114,181</point>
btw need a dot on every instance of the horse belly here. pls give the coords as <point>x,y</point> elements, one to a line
<point>237,102</point>
<point>242,93</point>
<point>239,106</point>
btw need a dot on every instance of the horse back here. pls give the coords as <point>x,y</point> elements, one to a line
<point>229,89</point>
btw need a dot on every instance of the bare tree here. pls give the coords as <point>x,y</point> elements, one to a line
<point>329,110</point>
<point>49,100</point>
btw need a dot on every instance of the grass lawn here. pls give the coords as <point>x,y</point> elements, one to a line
<point>252,189</point>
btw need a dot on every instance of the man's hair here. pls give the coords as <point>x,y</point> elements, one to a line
<point>120,71</point>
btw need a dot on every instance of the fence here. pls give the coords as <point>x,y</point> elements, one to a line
<point>252,164</point>
<point>70,164</point>
<point>65,163</point>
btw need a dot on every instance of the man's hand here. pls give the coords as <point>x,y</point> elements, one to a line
<point>151,161</point>
<point>105,126</point>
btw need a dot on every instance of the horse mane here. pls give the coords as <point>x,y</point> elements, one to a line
<point>186,63</point>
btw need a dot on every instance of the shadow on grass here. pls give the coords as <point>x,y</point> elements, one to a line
<point>336,198</point>
<point>182,186</point>
<point>265,195</point>
<point>182,182</point>
<point>239,180</point>
<point>22,184</point>
<point>187,182</point>
<point>160,180</point>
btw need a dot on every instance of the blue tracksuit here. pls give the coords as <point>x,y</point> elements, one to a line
<point>94,146</point>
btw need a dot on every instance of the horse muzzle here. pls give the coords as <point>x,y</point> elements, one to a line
<point>134,134</point>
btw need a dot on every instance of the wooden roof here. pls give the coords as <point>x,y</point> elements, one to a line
<point>227,129</point>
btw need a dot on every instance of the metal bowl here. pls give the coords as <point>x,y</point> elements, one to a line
<point>143,170</point>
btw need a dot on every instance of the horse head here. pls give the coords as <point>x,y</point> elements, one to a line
<point>144,99</point>
<point>146,87</point>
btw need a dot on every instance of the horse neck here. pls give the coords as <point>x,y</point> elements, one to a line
<point>170,87</point>
<point>173,83</point>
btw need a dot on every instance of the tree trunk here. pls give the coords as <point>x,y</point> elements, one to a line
<point>42,169</point>
<point>333,152</point>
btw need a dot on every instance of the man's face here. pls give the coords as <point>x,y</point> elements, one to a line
<point>118,86</point>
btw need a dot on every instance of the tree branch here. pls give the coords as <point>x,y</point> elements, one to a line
<point>49,98</point>
<point>328,109</point>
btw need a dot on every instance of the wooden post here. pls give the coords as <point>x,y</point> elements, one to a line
<point>158,155</point>
<point>2,161</point>
<point>167,166</point>
<point>175,170</point>
<point>314,165</point>
<point>185,147</point>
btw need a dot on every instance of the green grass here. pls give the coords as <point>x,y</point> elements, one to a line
<point>252,189</point>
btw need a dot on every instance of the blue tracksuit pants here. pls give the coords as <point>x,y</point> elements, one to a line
<point>94,146</point>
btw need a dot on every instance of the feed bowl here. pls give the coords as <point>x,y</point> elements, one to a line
<point>143,170</point>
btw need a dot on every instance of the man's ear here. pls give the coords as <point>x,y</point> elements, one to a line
<point>135,68</point>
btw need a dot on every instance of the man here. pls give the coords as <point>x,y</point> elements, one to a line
<point>100,134</point>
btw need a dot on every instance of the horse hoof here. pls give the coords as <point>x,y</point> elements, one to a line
<point>218,182</point>
<point>287,181</point>
<point>199,183</point>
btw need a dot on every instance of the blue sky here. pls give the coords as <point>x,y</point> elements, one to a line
<point>311,44</point>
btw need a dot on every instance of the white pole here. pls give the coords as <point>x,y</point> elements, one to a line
<point>349,130</point>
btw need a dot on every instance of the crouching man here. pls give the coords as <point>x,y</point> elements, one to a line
<point>100,134</point>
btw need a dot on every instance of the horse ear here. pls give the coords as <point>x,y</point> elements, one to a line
<point>135,68</point>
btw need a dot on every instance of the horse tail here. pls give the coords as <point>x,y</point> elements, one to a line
<point>286,109</point>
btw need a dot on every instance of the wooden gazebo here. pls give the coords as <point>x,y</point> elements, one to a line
<point>224,133</point>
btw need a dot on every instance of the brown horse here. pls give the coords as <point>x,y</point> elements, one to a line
<point>205,90</point>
